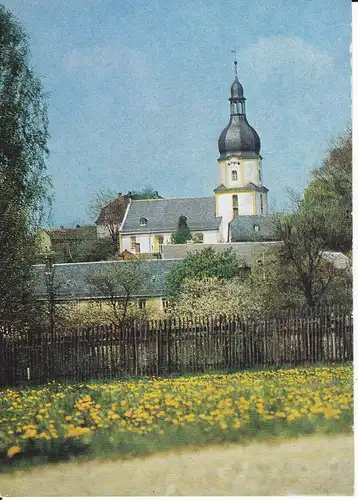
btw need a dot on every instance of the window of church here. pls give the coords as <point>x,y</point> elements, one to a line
<point>143,221</point>
<point>234,175</point>
<point>235,201</point>
<point>165,304</point>
<point>262,204</point>
<point>133,242</point>
<point>235,212</point>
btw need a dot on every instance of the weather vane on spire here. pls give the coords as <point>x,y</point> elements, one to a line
<point>235,61</point>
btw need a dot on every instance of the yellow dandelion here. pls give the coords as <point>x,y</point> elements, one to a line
<point>14,450</point>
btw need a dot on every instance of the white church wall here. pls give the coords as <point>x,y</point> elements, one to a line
<point>224,210</point>
<point>147,241</point>
<point>246,203</point>
<point>250,171</point>
<point>222,172</point>
<point>258,204</point>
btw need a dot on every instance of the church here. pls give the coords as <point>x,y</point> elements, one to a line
<point>239,201</point>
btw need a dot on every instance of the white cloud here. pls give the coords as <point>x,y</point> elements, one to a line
<point>291,54</point>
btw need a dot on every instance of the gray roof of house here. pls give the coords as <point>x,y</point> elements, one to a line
<point>243,228</point>
<point>163,215</point>
<point>248,251</point>
<point>70,280</point>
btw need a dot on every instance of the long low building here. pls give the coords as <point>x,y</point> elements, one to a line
<point>100,280</point>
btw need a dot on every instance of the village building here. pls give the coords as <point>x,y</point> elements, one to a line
<point>64,241</point>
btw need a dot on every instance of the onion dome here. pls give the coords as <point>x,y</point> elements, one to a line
<point>238,137</point>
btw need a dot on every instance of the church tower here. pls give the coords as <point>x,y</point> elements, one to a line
<point>240,191</point>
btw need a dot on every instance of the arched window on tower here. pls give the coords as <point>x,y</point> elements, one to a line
<point>235,206</point>
<point>234,175</point>
<point>262,204</point>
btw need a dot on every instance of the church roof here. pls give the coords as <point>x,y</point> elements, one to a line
<point>70,280</point>
<point>162,215</point>
<point>253,228</point>
<point>248,187</point>
<point>238,137</point>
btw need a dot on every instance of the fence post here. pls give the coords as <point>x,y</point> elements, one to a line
<point>274,341</point>
<point>169,345</point>
<point>135,353</point>
<point>333,336</point>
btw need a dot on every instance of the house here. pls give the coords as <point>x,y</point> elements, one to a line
<point>147,225</point>
<point>71,281</point>
<point>43,242</point>
<point>64,241</point>
<point>112,215</point>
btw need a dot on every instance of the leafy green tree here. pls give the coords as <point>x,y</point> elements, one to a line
<point>182,234</point>
<point>269,285</point>
<point>24,182</point>
<point>329,194</point>
<point>146,193</point>
<point>204,264</point>
<point>94,250</point>
<point>301,255</point>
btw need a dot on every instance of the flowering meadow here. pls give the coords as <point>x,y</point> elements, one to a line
<point>59,421</point>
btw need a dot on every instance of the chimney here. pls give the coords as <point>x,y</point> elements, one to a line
<point>129,194</point>
<point>62,227</point>
<point>119,195</point>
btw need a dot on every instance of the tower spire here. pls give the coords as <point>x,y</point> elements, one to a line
<point>235,62</point>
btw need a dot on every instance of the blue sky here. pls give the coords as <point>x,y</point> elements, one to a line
<point>138,90</point>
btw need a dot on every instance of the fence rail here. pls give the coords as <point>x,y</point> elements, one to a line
<point>176,346</point>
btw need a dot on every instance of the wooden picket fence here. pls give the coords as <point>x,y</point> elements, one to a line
<point>176,346</point>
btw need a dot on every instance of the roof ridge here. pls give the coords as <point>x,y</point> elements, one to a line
<point>166,199</point>
<point>103,262</point>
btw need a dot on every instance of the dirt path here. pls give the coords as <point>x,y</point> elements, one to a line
<point>319,465</point>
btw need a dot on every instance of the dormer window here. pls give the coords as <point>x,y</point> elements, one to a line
<point>143,221</point>
<point>234,175</point>
<point>256,228</point>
